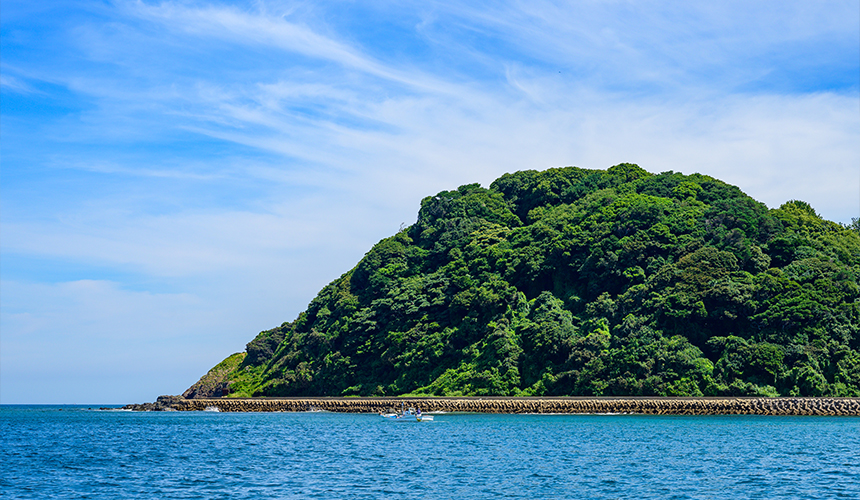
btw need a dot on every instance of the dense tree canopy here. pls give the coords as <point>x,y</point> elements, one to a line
<point>582,282</point>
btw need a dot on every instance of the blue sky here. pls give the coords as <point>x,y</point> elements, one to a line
<point>178,176</point>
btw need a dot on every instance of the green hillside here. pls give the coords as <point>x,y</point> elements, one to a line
<point>579,282</point>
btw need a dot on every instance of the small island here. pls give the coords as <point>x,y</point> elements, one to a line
<point>576,283</point>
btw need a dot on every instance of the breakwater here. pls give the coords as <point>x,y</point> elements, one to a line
<point>641,405</point>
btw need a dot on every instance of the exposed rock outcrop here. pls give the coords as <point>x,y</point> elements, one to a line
<point>215,383</point>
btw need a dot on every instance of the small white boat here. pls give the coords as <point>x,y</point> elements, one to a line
<point>408,415</point>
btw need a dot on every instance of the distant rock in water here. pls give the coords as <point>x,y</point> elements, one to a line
<point>163,403</point>
<point>578,282</point>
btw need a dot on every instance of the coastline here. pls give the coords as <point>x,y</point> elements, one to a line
<point>503,404</point>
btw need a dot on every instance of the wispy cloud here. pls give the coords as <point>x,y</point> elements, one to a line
<point>12,84</point>
<point>275,31</point>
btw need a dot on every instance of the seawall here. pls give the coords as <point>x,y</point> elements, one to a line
<point>641,405</point>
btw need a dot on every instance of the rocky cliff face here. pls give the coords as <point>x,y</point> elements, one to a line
<point>216,382</point>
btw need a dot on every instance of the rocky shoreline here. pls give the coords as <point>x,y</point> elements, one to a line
<point>639,405</point>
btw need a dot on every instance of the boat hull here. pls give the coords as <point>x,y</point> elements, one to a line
<point>407,417</point>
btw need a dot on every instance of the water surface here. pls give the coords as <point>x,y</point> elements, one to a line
<point>73,452</point>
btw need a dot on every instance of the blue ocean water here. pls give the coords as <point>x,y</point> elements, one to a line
<point>73,452</point>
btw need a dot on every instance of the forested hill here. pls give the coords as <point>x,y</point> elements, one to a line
<point>579,282</point>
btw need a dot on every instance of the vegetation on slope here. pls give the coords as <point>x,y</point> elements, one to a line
<point>582,282</point>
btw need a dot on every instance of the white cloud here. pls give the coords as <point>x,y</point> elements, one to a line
<point>275,31</point>
<point>185,244</point>
<point>13,84</point>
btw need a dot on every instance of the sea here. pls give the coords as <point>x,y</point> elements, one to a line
<point>76,452</point>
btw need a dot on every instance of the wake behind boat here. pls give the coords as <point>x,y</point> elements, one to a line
<point>408,415</point>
